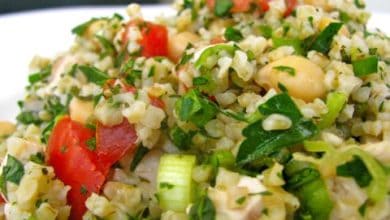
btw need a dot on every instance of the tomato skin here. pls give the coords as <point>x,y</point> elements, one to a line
<point>290,7</point>
<point>244,5</point>
<point>156,102</point>
<point>263,4</point>
<point>83,169</point>
<point>112,143</point>
<point>154,40</point>
<point>74,164</point>
<point>238,5</point>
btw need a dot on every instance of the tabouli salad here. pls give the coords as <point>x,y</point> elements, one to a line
<point>230,109</point>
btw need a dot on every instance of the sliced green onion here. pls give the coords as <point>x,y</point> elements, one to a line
<point>94,75</point>
<point>335,103</point>
<point>365,66</point>
<point>213,50</point>
<point>232,34</point>
<point>324,40</point>
<point>377,190</point>
<point>174,181</point>
<point>222,7</point>
<point>295,43</point>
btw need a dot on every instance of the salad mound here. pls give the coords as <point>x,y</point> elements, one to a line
<point>229,109</point>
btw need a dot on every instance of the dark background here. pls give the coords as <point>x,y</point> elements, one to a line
<point>20,5</point>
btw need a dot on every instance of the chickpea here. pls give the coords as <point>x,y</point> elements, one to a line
<point>306,82</point>
<point>80,110</point>
<point>319,3</point>
<point>6,128</point>
<point>177,44</point>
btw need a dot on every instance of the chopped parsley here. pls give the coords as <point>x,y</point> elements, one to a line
<point>195,108</point>
<point>38,158</point>
<point>180,138</point>
<point>39,76</point>
<point>232,34</point>
<point>203,209</point>
<point>365,66</point>
<point>13,172</point>
<point>91,144</point>
<point>287,69</point>
<point>165,185</point>
<point>222,7</point>
<point>357,170</point>
<point>259,143</point>
<point>324,40</point>
<point>94,75</point>
<point>138,156</point>
<point>241,200</point>
<point>83,190</point>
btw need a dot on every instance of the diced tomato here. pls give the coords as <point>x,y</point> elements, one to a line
<point>112,143</point>
<point>290,7</point>
<point>238,5</point>
<point>154,39</point>
<point>263,4</point>
<point>74,164</point>
<point>244,5</point>
<point>157,102</point>
<point>130,89</point>
<point>83,169</point>
<point>217,40</point>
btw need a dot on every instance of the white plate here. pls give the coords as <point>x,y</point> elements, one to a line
<point>47,32</point>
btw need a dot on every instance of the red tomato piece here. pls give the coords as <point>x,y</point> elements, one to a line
<point>238,5</point>
<point>112,143</point>
<point>263,4</point>
<point>74,164</point>
<point>241,6</point>
<point>157,102</point>
<point>154,40</point>
<point>290,7</point>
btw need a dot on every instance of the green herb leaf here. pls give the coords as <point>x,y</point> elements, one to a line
<point>366,66</point>
<point>180,138</point>
<point>260,143</point>
<point>359,4</point>
<point>357,170</point>
<point>287,69</point>
<point>232,34</point>
<point>241,200</point>
<point>138,156</point>
<point>203,209</point>
<point>165,185</point>
<point>200,81</point>
<point>335,102</point>
<point>304,181</point>
<point>188,3</point>
<point>39,76</point>
<point>94,75</point>
<point>211,51</point>
<point>38,158</point>
<point>295,43</point>
<point>324,40</point>
<point>27,117</point>
<point>266,31</point>
<point>107,45</point>
<point>13,171</point>
<point>83,190</point>
<point>222,7</point>
<point>195,108</point>
<point>81,28</point>
<point>281,104</point>
<point>91,144</point>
